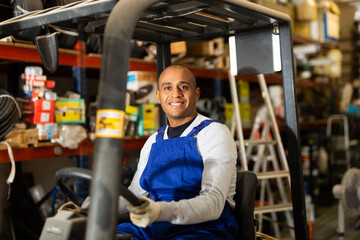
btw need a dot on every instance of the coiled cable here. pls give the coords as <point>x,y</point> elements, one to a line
<point>10,113</point>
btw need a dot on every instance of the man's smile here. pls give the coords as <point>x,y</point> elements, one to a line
<point>176,103</point>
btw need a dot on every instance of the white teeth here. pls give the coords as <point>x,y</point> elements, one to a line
<point>175,104</point>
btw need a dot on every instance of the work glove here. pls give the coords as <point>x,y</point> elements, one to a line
<point>145,214</point>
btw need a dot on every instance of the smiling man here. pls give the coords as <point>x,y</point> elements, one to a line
<point>178,94</point>
<point>186,172</point>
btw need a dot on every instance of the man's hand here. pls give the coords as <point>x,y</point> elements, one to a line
<point>143,217</point>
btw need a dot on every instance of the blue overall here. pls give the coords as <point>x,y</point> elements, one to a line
<point>174,172</point>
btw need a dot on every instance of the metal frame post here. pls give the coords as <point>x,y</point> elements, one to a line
<point>292,131</point>
<point>163,52</point>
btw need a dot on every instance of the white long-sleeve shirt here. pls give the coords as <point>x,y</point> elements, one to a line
<point>218,151</point>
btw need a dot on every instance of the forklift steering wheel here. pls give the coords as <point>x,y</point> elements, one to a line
<point>63,174</point>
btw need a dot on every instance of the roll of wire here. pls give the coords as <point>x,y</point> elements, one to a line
<point>23,6</point>
<point>10,113</point>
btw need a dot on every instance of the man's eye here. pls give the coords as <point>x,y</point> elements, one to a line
<point>184,87</point>
<point>167,88</point>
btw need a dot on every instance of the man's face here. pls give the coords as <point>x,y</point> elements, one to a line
<point>178,95</point>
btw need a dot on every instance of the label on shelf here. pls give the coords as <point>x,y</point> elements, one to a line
<point>110,123</point>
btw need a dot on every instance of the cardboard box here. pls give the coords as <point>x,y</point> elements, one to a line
<point>22,138</point>
<point>208,48</point>
<point>178,48</point>
<point>39,117</point>
<point>143,84</point>
<point>40,105</point>
<point>309,29</point>
<point>306,11</point>
<point>287,8</point>
<point>147,119</point>
<point>47,131</point>
<point>70,111</point>
<point>131,119</point>
<point>245,114</point>
<point>331,26</point>
<point>244,91</point>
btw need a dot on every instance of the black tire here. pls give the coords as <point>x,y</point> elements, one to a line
<point>27,5</point>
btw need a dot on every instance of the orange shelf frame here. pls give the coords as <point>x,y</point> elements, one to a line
<point>85,148</point>
<point>28,53</point>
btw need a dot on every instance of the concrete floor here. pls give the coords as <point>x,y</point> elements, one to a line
<point>326,223</point>
<point>325,226</point>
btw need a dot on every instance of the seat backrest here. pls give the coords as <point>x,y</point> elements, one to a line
<point>245,202</point>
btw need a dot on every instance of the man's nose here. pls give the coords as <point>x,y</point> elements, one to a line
<point>177,92</point>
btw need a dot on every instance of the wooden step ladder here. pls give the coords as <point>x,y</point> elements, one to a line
<point>268,151</point>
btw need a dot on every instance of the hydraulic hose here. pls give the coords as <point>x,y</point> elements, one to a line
<point>108,151</point>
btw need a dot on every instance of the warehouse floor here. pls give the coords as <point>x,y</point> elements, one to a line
<point>326,223</point>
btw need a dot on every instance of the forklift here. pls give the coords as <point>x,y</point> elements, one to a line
<point>249,24</point>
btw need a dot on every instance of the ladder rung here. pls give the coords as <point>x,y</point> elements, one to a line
<point>272,174</point>
<point>255,157</point>
<point>259,142</point>
<point>282,207</point>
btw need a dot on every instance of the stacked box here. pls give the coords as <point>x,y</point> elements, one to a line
<point>147,119</point>
<point>208,48</point>
<point>70,111</point>
<point>245,114</point>
<point>38,111</point>
<point>178,48</point>
<point>22,138</point>
<point>131,119</point>
<point>47,131</point>
<point>143,84</point>
<point>306,23</point>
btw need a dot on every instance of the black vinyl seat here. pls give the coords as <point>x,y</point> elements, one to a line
<point>245,203</point>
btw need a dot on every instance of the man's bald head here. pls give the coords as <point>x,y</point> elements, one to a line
<point>187,72</point>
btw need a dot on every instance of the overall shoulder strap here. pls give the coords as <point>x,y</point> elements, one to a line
<point>199,127</point>
<point>161,132</point>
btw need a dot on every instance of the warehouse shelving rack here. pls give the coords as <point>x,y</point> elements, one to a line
<point>164,22</point>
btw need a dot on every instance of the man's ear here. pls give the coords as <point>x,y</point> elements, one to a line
<point>157,95</point>
<point>197,94</point>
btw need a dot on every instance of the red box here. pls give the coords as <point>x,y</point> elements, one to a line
<point>39,117</point>
<point>40,105</point>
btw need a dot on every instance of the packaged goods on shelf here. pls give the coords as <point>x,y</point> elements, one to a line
<point>309,29</point>
<point>47,131</point>
<point>131,119</point>
<point>329,22</point>
<point>34,84</point>
<point>178,48</point>
<point>245,114</point>
<point>213,62</point>
<point>148,119</point>
<point>39,117</point>
<point>244,91</point>
<point>39,105</point>
<point>306,11</point>
<point>143,84</point>
<point>331,26</point>
<point>208,48</point>
<point>70,111</point>
<point>38,111</point>
<point>22,138</point>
